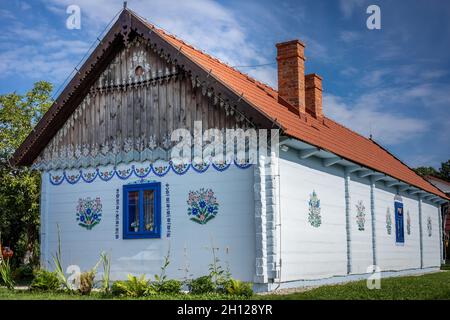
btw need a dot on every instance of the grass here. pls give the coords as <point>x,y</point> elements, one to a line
<point>435,286</point>
<point>6,294</point>
<point>445,267</point>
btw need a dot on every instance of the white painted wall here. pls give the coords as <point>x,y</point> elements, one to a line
<point>316,253</point>
<point>308,252</point>
<point>361,241</point>
<point>232,230</point>
<point>392,256</point>
<point>431,248</point>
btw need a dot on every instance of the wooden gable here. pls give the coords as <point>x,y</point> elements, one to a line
<point>51,139</point>
<point>130,112</point>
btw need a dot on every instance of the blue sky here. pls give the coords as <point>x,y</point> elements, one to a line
<point>393,82</point>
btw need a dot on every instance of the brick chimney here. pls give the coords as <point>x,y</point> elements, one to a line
<point>313,95</point>
<point>291,73</point>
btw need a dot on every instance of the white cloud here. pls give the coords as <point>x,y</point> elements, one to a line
<point>371,114</point>
<point>350,36</point>
<point>37,53</point>
<point>6,14</point>
<point>349,6</point>
<point>24,6</point>
<point>207,25</point>
<point>49,54</point>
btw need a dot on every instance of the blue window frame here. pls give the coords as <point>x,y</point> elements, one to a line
<point>142,211</point>
<point>399,225</point>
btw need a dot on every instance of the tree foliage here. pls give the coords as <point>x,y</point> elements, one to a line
<point>443,172</point>
<point>20,187</point>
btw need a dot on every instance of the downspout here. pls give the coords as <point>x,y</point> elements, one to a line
<point>279,221</point>
<point>441,230</point>
<point>347,219</point>
<point>444,231</point>
<point>372,212</point>
<point>420,232</point>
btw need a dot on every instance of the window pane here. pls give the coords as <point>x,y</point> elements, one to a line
<point>149,209</point>
<point>133,211</point>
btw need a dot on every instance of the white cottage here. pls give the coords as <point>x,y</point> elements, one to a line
<point>323,206</point>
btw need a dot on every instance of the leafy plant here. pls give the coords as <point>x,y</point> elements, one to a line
<point>45,281</point>
<point>58,265</point>
<point>218,275</point>
<point>161,284</point>
<point>134,287</point>
<point>23,273</point>
<point>87,279</point>
<point>106,262</point>
<point>6,274</point>
<point>238,288</point>
<point>201,285</point>
<point>168,287</point>
<point>118,288</point>
<point>186,267</point>
<point>19,187</point>
<point>87,282</point>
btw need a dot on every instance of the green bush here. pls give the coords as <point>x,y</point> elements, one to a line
<point>201,285</point>
<point>118,288</point>
<point>45,281</point>
<point>134,287</point>
<point>238,288</point>
<point>25,272</point>
<point>167,287</point>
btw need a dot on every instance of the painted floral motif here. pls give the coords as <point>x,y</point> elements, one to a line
<point>159,168</point>
<point>106,175</point>
<point>89,176</point>
<point>142,172</point>
<point>242,163</point>
<point>221,166</point>
<point>388,221</point>
<point>56,179</point>
<point>429,227</point>
<point>124,173</point>
<point>360,215</point>
<point>408,223</point>
<point>72,177</point>
<point>180,168</point>
<point>201,166</point>
<point>314,217</point>
<point>89,212</point>
<point>203,205</point>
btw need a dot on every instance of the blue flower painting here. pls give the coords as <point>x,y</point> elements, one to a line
<point>89,212</point>
<point>203,205</point>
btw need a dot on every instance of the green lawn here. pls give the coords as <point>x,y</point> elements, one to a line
<point>426,287</point>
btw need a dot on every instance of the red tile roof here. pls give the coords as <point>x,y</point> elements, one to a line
<point>326,133</point>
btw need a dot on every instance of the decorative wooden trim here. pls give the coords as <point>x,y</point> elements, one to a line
<point>125,29</point>
<point>141,171</point>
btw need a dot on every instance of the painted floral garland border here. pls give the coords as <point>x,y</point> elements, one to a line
<point>160,169</point>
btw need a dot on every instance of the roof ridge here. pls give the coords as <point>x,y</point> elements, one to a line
<point>172,35</point>
<point>437,178</point>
